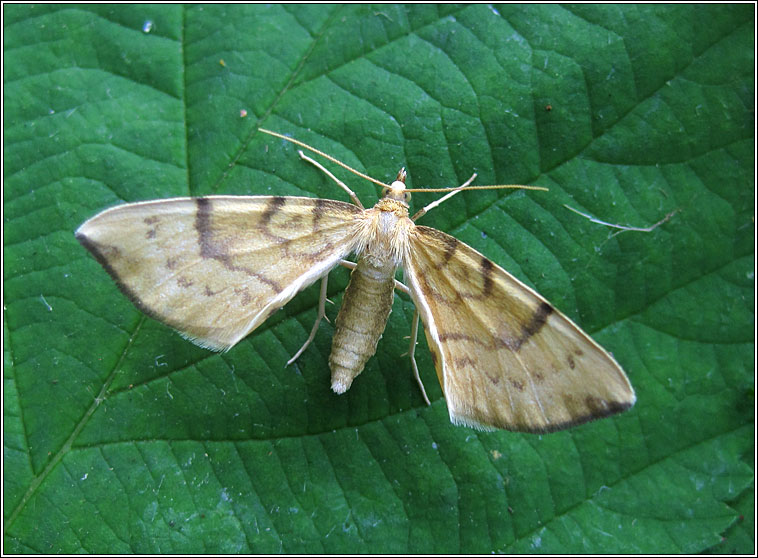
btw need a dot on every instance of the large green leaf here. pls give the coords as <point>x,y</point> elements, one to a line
<point>122,437</point>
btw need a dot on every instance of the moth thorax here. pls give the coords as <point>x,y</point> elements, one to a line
<point>382,237</point>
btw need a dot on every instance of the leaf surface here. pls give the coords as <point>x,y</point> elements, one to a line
<point>119,436</point>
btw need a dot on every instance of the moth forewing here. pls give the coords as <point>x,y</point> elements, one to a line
<point>504,356</point>
<point>215,268</point>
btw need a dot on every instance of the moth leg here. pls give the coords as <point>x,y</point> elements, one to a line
<point>411,354</point>
<point>348,264</point>
<point>341,184</point>
<point>321,314</point>
<point>400,287</point>
<point>425,209</point>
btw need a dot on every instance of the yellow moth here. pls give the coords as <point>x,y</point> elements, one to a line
<point>215,268</point>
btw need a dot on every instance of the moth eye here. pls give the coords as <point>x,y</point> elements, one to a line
<point>385,191</point>
<point>407,197</point>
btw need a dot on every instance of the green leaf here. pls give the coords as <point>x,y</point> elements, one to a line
<point>122,437</point>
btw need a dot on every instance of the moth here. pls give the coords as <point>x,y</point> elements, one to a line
<point>215,268</point>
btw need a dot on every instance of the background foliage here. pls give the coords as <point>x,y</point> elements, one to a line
<point>121,437</point>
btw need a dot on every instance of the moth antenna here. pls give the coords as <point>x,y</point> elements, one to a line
<point>461,188</point>
<point>401,176</point>
<point>487,187</point>
<point>329,157</point>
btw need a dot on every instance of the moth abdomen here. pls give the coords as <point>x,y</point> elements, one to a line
<point>360,322</point>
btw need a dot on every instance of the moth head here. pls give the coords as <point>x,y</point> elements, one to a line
<point>396,190</point>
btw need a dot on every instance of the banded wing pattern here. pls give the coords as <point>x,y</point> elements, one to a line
<point>215,268</point>
<point>504,356</point>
